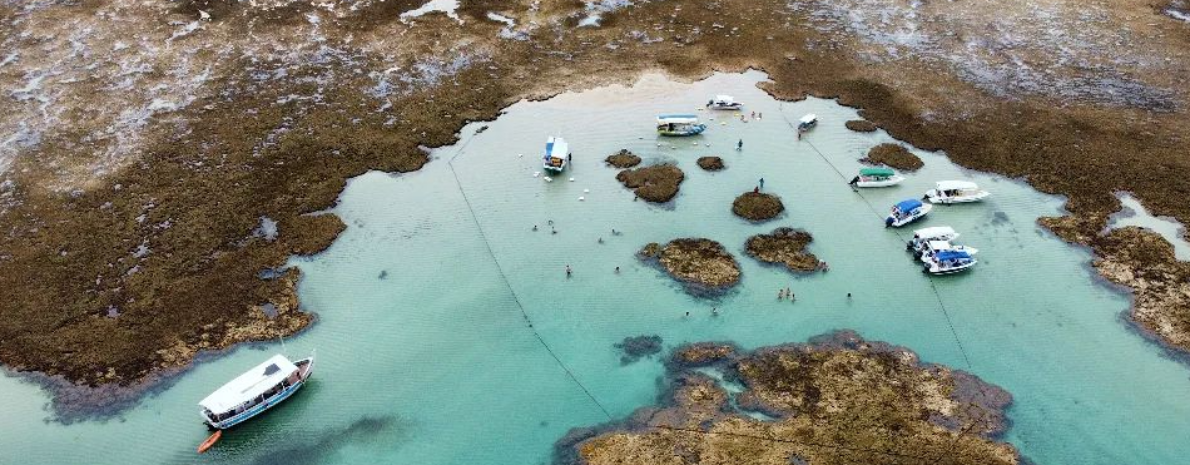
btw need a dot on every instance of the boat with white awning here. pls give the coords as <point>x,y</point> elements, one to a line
<point>679,125</point>
<point>557,155</point>
<point>724,102</point>
<point>255,391</point>
<point>948,192</point>
<point>933,233</point>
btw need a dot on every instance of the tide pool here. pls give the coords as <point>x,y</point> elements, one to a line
<point>449,333</point>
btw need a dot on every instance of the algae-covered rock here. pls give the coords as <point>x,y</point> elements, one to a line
<point>711,163</point>
<point>893,156</point>
<point>835,400</point>
<point>704,265</point>
<point>657,183</point>
<point>757,206</point>
<point>623,159</point>
<point>861,125</point>
<point>634,348</point>
<point>785,246</point>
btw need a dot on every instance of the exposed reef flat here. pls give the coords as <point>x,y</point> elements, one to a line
<point>711,163</point>
<point>785,246</point>
<point>657,183</point>
<point>894,156</point>
<point>757,206</point>
<point>835,400</point>
<point>623,159</point>
<point>705,266</point>
<point>861,125</point>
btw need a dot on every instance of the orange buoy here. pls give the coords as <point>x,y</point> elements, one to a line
<point>210,442</point>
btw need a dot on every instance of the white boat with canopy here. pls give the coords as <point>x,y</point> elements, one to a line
<point>934,233</point>
<point>905,212</point>
<point>679,125</point>
<point>724,102</point>
<point>949,262</point>
<point>255,391</point>
<point>807,122</point>
<point>955,192</point>
<point>557,155</point>
<point>876,177</point>
<point>933,248</point>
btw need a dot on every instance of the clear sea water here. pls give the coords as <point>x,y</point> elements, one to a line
<point>436,363</point>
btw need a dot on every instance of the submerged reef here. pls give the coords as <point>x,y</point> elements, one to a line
<point>757,206</point>
<point>837,399</point>
<point>861,125</point>
<point>893,156</point>
<point>711,163</point>
<point>705,266</point>
<point>785,246</point>
<point>635,348</point>
<point>657,183</point>
<point>623,159</point>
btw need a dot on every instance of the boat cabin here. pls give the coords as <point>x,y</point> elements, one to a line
<point>679,125</point>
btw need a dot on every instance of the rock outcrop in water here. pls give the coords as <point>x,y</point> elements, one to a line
<point>861,125</point>
<point>711,163</point>
<point>657,183</point>
<point>893,156</point>
<point>835,400</point>
<point>785,246</point>
<point>702,264</point>
<point>623,159</point>
<point>634,348</point>
<point>757,206</point>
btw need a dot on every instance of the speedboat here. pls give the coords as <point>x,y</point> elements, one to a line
<point>924,235</point>
<point>679,125</point>
<point>724,102</point>
<point>905,212</point>
<point>949,262</point>
<point>955,192</point>
<point>557,155</point>
<point>255,391</point>
<point>807,122</point>
<point>876,177</point>
<point>933,248</point>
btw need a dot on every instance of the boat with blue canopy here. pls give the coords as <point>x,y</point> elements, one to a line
<point>905,212</point>
<point>949,262</point>
<point>679,125</point>
<point>255,391</point>
<point>933,248</point>
<point>557,155</point>
<point>876,177</point>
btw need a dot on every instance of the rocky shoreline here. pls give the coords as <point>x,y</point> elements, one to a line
<point>893,156</point>
<point>835,399</point>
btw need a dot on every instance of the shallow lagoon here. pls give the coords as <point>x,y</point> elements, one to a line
<point>435,363</point>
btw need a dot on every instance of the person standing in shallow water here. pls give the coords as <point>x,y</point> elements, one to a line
<point>739,145</point>
<point>568,271</point>
<point>762,183</point>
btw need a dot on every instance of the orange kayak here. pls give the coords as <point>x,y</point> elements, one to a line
<point>210,442</point>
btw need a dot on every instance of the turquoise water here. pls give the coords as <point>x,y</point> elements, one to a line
<point>436,363</point>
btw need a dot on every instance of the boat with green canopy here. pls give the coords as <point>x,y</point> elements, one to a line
<point>876,177</point>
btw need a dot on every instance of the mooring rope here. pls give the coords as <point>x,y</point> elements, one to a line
<point>524,315</point>
<point>933,286</point>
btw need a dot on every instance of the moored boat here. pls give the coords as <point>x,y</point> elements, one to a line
<point>724,102</point>
<point>876,177</point>
<point>949,262</point>
<point>679,125</point>
<point>807,122</point>
<point>933,248</point>
<point>905,212</point>
<point>933,233</point>
<point>255,391</point>
<point>955,192</point>
<point>557,155</point>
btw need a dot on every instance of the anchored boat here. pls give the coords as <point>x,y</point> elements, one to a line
<point>924,235</point>
<point>955,192</point>
<point>933,248</point>
<point>807,122</point>
<point>876,177</point>
<point>557,155</point>
<point>949,262</point>
<point>724,102</point>
<point>679,125</point>
<point>255,391</point>
<point>905,212</point>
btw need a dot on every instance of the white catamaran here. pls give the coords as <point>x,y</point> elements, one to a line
<point>255,391</point>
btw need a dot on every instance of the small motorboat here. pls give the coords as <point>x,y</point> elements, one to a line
<point>679,125</point>
<point>905,212</point>
<point>933,248</point>
<point>557,155</point>
<point>724,102</point>
<point>955,192</point>
<point>255,391</point>
<point>924,235</point>
<point>876,177</point>
<point>949,262</point>
<point>807,122</point>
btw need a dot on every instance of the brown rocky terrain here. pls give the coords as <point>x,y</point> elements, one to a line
<point>836,400</point>
<point>705,266</point>
<point>711,163</point>
<point>623,159</point>
<point>893,156</point>
<point>757,206</point>
<point>657,183</point>
<point>861,125</point>
<point>785,246</point>
<point>145,143</point>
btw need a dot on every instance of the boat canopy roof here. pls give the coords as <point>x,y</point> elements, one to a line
<point>247,386</point>
<point>677,119</point>
<point>952,255</point>
<point>877,172</point>
<point>724,99</point>
<point>940,245</point>
<point>556,147</point>
<point>809,118</point>
<point>936,231</point>
<point>908,205</point>
<point>956,185</point>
